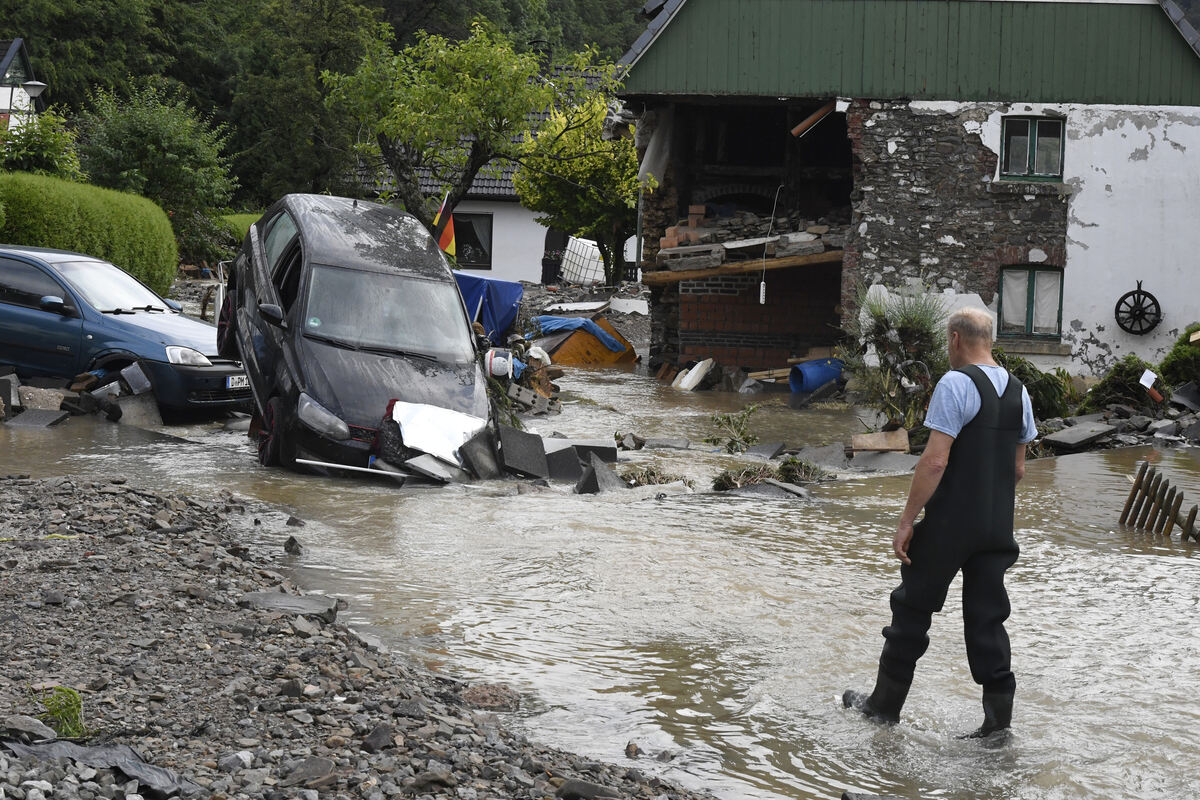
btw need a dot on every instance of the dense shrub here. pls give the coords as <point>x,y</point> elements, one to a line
<point>1047,391</point>
<point>1182,363</point>
<point>154,144</point>
<point>239,224</point>
<point>43,145</point>
<point>130,231</point>
<point>1120,385</point>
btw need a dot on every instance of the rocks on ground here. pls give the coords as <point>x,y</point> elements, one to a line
<point>150,606</point>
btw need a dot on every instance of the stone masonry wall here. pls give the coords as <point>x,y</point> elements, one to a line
<point>926,208</point>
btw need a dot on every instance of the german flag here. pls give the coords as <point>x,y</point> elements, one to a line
<point>446,240</point>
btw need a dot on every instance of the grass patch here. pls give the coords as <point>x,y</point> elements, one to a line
<point>239,224</point>
<point>64,711</point>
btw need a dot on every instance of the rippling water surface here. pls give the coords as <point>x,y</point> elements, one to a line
<point>723,630</point>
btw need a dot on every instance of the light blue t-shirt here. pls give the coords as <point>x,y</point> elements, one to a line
<point>955,402</point>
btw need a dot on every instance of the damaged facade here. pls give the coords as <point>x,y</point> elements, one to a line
<point>1033,153</point>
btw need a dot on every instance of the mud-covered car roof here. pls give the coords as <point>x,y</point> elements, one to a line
<point>364,235</point>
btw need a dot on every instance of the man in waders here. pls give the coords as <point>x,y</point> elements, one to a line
<point>980,419</point>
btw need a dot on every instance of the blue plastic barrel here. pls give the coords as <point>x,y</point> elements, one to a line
<point>812,375</point>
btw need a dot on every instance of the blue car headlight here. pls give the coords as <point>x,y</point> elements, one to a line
<point>186,356</point>
<point>321,419</point>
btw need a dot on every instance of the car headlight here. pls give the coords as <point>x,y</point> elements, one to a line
<point>187,356</point>
<point>321,419</point>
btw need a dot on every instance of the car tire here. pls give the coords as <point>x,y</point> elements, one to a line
<point>272,436</point>
<point>227,328</point>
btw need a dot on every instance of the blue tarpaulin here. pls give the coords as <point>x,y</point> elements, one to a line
<point>550,324</point>
<point>500,300</point>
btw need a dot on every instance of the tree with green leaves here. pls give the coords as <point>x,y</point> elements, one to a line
<point>583,183</point>
<point>153,144</point>
<point>43,145</point>
<point>452,109</point>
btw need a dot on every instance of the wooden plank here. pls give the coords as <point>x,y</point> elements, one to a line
<point>770,374</point>
<point>1195,338</point>
<point>663,277</point>
<point>885,442</point>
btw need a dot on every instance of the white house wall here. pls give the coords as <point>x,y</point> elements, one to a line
<point>517,240</point>
<point>1133,214</point>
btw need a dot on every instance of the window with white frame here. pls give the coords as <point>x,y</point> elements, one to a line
<point>473,240</point>
<point>1031,148</point>
<point>1030,301</point>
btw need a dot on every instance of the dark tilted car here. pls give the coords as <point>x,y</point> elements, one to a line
<point>64,313</point>
<point>339,307</point>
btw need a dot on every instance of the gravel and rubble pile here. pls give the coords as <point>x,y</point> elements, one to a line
<point>188,645</point>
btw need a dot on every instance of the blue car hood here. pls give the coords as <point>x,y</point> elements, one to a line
<point>169,328</point>
<point>357,385</point>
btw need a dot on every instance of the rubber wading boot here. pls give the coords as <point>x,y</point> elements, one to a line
<point>997,714</point>
<point>883,704</point>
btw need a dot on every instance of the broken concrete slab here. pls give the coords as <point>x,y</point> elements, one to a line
<point>37,418</point>
<point>598,477</point>
<point>434,467</point>
<point>1139,422</point>
<point>564,464</point>
<point>522,453</point>
<point>138,409</point>
<point>750,386</point>
<point>479,456</point>
<point>38,398</point>
<point>1187,396</point>
<point>8,391</point>
<point>606,450</point>
<point>1166,427</point>
<point>667,444</point>
<point>1084,419</point>
<point>884,462</point>
<point>1078,436</point>
<point>767,490</point>
<point>790,488</point>
<point>1192,432</point>
<point>831,456</point>
<point>767,450</point>
<point>307,605</point>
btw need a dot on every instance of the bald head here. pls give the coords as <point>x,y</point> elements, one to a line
<point>974,325</point>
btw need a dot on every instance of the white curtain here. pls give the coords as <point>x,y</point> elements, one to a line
<point>1046,289</point>
<point>1014,297</point>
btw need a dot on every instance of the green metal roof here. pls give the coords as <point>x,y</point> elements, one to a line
<point>1085,52</point>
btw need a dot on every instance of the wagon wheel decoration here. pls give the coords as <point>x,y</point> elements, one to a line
<point>1138,311</point>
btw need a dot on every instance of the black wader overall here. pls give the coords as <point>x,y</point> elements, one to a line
<point>968,526</point>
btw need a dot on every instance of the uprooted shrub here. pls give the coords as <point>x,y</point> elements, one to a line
<point>896,351</point>
<point>791,470</point>
<point>1182,363</point>
<point>130,231</point>
<point>736,436</point>
<point>1122,384</point>
<point>1047,391</point>
<point>653,476</point>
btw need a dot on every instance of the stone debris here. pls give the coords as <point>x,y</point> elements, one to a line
<point>232,700</point>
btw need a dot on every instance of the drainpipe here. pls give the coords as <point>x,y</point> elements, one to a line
<point>814,118</point>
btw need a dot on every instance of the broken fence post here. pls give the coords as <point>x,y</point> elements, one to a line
<point>1173,516</point>
<point>1137,485</point>
<point>1156,509</point>
<point>1168,501</point>
<point>1143,491</point>
<point>1188,529</point>
<point>1150,494</point>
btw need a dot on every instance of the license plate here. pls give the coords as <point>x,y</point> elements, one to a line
<point>237,382</point>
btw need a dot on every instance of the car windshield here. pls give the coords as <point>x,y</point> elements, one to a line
<point>387,312</point>
<point>108,288</point>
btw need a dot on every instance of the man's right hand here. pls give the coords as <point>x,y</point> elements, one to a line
<point>900,542</point>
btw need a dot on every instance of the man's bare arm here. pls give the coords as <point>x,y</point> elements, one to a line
<point>1020,462</point>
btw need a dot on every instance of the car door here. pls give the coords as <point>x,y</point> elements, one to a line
<point>262,343</point>
<point>35,339</point>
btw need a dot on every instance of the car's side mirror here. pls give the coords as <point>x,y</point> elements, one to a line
<point>55,304</point>
<point>272,314</point>
<point>174,305</point>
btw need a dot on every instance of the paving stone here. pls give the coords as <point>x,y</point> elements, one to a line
<point>37,418</point>
<point>523,453</point>
<point>667,444</point>
<point>598,477</point>
<point>1078,436</point>
<point>308,605</point>
<point>479,456</point>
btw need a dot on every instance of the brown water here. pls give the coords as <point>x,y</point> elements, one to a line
<point>723,630</point>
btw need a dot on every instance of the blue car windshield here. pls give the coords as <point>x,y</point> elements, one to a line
<point>388,313</point>
<point>108,288</point>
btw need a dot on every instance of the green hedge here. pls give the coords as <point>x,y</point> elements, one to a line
<point>239,224</point>
<point>128,230</point>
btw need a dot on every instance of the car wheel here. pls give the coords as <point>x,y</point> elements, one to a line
<point>227,329</point>
<point>272,444</point>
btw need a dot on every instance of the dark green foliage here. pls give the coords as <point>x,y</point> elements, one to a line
<point>1047,391</point>
<point>1119,385</point>
<point>734,430</point>
<point>130,231</point>
<point>1182,363</point>
<point>153,144</point>
<point>43,145</point>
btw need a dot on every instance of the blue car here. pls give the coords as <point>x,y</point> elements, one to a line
<point>63,313</point>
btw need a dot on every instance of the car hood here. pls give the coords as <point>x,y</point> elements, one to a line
<point>357,386</point>
<point>168,328</point>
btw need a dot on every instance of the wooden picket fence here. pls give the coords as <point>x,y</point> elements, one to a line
<point>1154,505</point>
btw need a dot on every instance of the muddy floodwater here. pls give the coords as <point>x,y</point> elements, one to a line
<point>721,631</point>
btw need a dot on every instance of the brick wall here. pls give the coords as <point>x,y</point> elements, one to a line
<point>721,317</point>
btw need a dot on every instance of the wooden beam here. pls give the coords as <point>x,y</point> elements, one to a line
<point>814,118</point>
<point>662,277</point>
